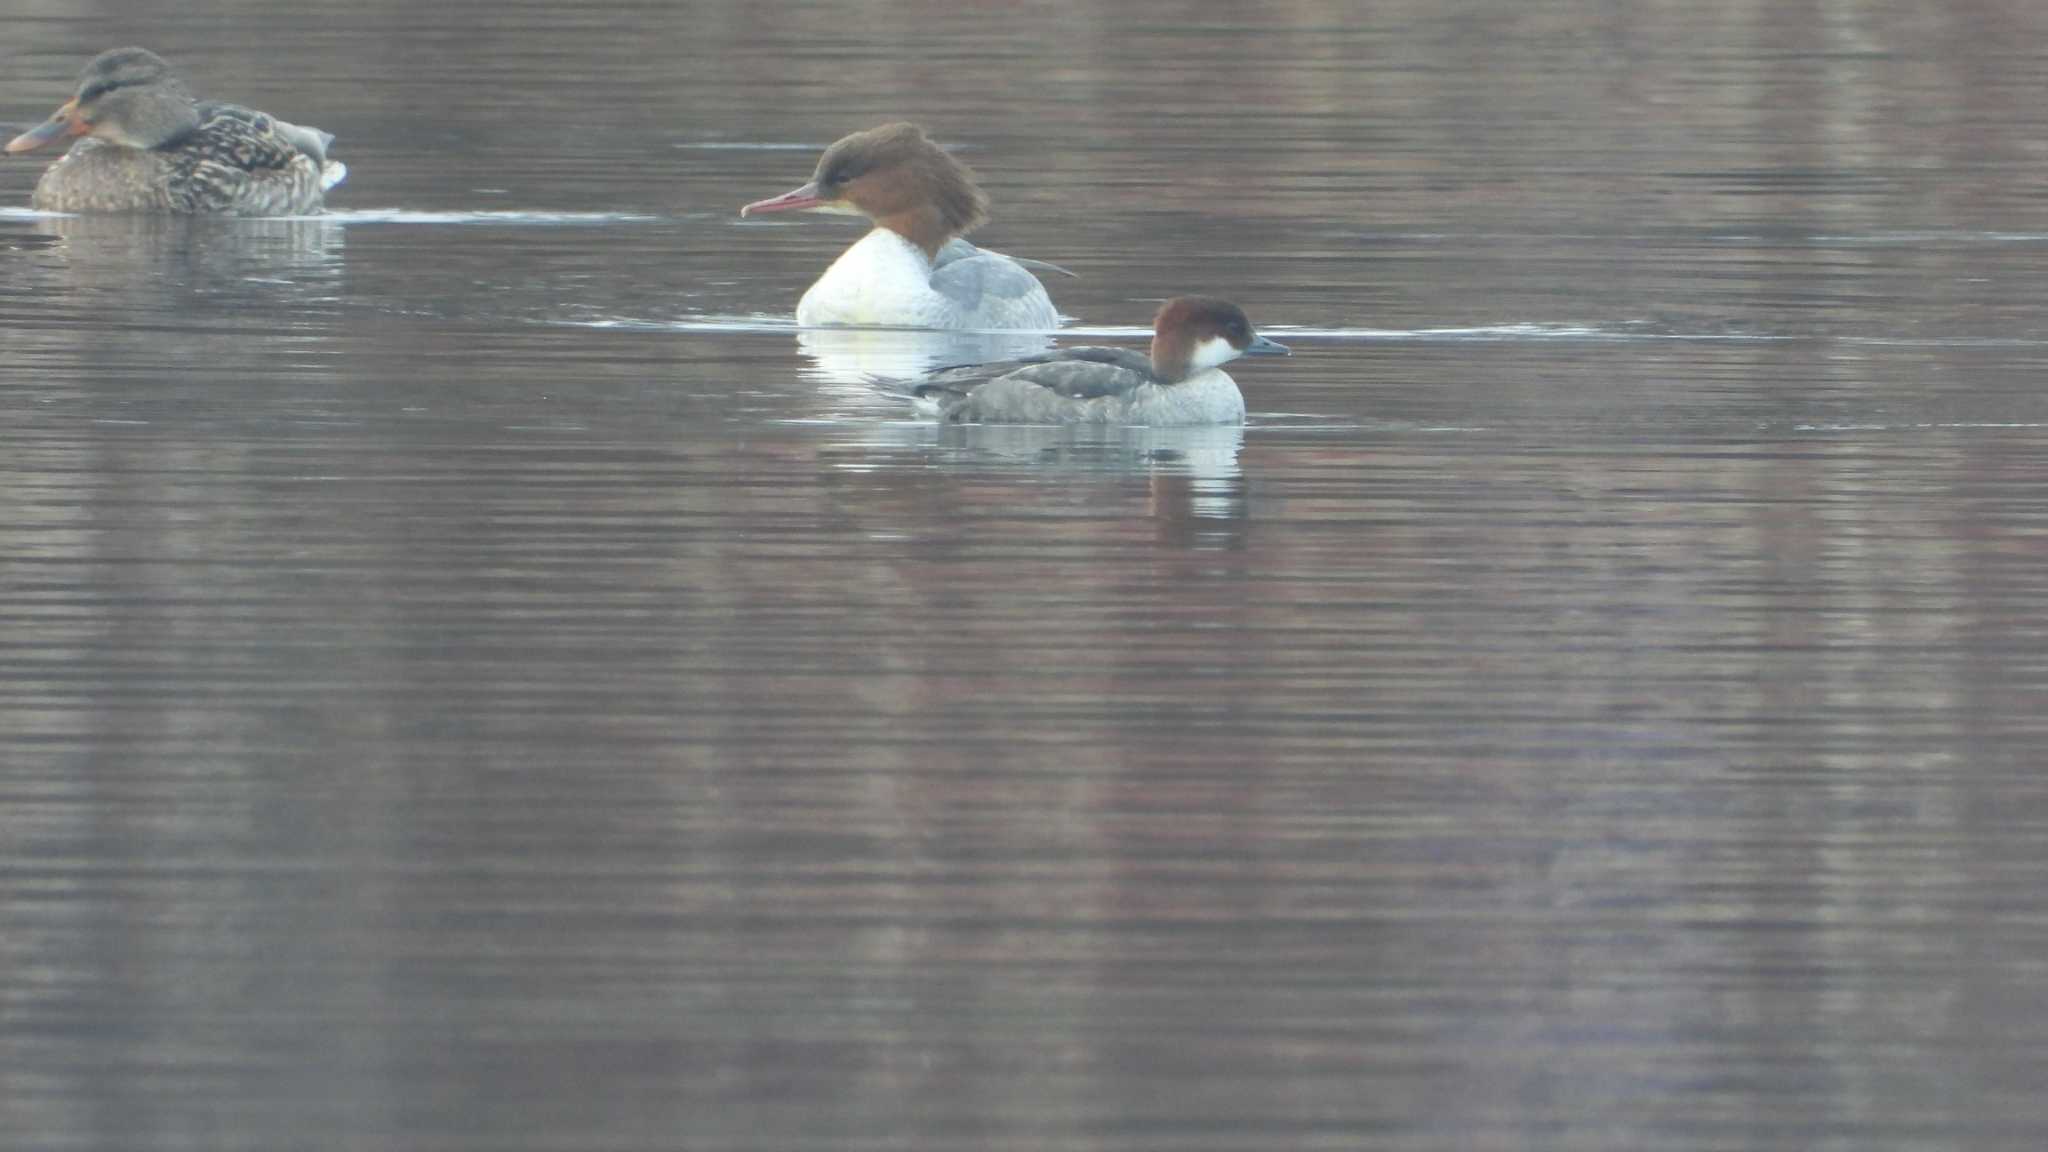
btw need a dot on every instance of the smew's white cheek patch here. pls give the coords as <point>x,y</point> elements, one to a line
<point>1211,353</point>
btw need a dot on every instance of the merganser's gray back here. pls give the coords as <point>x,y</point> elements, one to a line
<point>982,282</point>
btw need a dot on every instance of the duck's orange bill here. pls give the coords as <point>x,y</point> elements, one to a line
<point>794,200</point>
<point>63,122</point>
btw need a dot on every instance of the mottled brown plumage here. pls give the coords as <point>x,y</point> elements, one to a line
<point>147,146</point>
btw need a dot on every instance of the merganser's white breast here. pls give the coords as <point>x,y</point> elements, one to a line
<point>884,279</point>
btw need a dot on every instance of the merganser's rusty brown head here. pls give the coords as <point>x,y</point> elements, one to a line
<point>895,176</point>
<point>1196,333</point>
<point>126,96</point>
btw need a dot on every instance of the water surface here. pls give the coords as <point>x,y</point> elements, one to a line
<point>475,676</point>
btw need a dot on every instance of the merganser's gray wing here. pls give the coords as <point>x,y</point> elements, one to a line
<point>989,284</point>
<point>958,249</point>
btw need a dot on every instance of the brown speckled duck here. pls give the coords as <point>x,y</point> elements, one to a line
<point>148,146</point>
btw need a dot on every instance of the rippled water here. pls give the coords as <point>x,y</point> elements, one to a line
<point>475,676</point>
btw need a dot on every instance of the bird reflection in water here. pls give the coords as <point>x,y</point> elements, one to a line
<point>1196,493</point>
<point>202,253</point>
<point>845,362</point>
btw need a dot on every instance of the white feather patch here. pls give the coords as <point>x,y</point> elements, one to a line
<point>1211,353</point>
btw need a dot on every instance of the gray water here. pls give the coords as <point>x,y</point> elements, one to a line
<point>474,677</point>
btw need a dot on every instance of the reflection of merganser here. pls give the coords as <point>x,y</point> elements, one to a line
<point>857,357</point>
<point>149,147</point>
<point>1181,382</point>
<point>913,270</point>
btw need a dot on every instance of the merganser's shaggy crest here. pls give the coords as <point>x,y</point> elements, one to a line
<point>913,270</point>
<point>148,146</point>
<point>1181,382</point>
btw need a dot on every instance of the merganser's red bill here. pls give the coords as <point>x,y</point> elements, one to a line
<point>794,200</point>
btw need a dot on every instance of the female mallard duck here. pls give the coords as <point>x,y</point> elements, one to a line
<point>149,147</point>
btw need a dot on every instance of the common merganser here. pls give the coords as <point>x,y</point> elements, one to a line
<point>148,146</point>
<point>1181,382</point>
<point>913,270</point>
